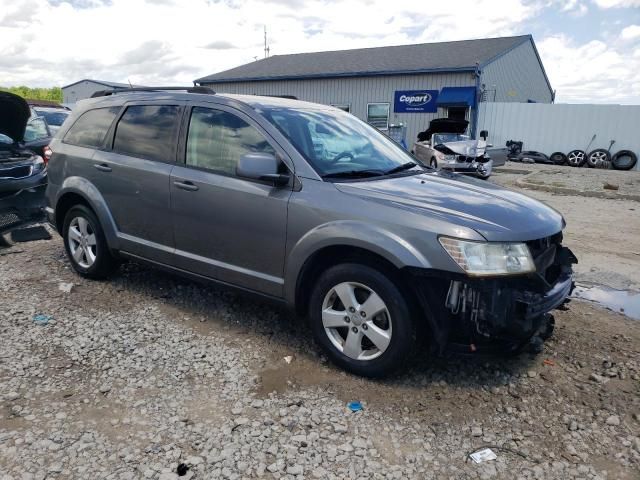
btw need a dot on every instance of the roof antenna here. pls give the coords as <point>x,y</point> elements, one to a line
<point>130,86</point>
<point>266,47</point>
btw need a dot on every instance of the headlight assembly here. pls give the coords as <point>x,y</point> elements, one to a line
<point>489,258</point>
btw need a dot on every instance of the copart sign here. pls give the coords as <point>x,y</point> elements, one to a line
<point>415,101</point>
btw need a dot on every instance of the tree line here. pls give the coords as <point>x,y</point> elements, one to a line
<point>53,93</point>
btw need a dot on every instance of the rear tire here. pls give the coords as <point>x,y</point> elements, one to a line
<point>85,244</point>
<point>372,332</point>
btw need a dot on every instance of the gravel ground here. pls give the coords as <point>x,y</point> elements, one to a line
<point>147,374</point>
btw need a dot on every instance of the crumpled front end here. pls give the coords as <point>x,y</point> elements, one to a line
<point>467,156</point>
<point>23,180</point>
<point>476,313</point>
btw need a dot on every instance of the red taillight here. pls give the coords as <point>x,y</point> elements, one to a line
<point>47,154</point>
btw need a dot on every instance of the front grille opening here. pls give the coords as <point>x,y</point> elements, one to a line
<point>9,220</point>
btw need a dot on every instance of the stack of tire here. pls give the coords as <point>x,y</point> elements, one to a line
<point>598,158</point>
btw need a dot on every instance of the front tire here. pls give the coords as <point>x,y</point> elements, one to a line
<point>433,163</point>
<point>85,244</point>
<point>362,320</point>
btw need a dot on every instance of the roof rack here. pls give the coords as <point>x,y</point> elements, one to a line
<point>193,89</point>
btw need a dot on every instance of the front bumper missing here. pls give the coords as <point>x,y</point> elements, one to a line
<point>513,311</point>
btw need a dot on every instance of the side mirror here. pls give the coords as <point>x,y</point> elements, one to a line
<point>484,134</point>
<point>261,166</point>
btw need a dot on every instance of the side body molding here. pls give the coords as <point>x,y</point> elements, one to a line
<point>351,234</point>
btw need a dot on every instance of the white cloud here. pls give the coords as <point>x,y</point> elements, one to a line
<point>161,41</point>
<point>593,72</point>
<point>630,33</point>
<point>617,3</point>
<point>57,42</point>
<point>575,8</point>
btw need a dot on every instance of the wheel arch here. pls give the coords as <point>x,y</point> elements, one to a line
<point>78,190</point>
<point>342,242</point>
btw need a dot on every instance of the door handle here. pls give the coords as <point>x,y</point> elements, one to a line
<point>103,167</point>
<point>186,185</point>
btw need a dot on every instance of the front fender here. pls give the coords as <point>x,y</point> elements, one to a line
<point>88,191</point>
<point>352,234</point>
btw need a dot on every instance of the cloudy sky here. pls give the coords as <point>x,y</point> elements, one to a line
<point>590,49</point>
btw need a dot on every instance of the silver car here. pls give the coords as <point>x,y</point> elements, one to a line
<point>313,208</point>
<point>445,145</point>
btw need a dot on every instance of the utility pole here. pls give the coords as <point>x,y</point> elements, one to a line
<point>266,47</point>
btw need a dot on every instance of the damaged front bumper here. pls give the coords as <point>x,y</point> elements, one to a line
<point>472,167</point>
<point>512,311</point>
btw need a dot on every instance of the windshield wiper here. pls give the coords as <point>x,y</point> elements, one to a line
<point>354,174</point>
<point>400,168</point>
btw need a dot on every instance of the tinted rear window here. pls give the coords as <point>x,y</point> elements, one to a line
<point>147,131</point>
<point>91,128</point>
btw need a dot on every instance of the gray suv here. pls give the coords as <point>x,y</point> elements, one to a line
<point>307,205</point>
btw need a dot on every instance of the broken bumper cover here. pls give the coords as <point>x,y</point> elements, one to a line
<point>22,202</point>
<point>473,168</point>
<point>472,310</point>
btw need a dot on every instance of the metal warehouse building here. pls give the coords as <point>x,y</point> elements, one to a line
<point>85,88</point>
<point>408,84</point>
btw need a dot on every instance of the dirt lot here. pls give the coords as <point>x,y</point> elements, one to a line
<point>130,378</point>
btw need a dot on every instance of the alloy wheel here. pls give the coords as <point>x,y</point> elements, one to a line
<point>576,158</point>
<point>82,242</point>
<point>356,320</point>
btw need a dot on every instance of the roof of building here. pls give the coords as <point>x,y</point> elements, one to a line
<point>100,82</point>
<point>420,58</point>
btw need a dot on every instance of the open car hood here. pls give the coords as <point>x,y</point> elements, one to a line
<point>443,125</point>
<point>14,115</point>
<point>447,125</point>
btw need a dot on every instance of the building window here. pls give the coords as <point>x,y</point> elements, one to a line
<point>343,106</point>
<point>378,115</point>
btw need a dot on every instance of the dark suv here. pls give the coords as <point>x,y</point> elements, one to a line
<point>307,205</point>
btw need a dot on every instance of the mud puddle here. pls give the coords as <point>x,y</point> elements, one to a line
<point>623,301</point>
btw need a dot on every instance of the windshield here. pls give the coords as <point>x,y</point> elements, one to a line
<point>53,118</point>
<point>439,138</point>
<point>338,144</point>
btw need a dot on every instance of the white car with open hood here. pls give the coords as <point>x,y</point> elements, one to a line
<point>445,145</point>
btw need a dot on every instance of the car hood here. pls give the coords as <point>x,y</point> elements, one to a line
<point>14,115</point>
<point>468,148</point>
<point>448,125</point>
<point>496,213</point>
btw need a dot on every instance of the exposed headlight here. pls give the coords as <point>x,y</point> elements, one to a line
<point>450,158</point>
<point>489,258</point>
<point>38,164</point>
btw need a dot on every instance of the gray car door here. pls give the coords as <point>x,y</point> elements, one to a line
<point>133,173</point>
<point>225,227</point>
